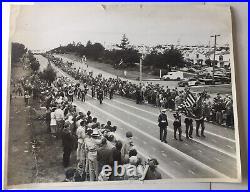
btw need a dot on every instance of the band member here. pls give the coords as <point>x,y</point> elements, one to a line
<point>83,95</point>
<point>93,91</point>
<point>163,124</point>
<point>71,94</point>
<point>100,95</point>
<point>111,92</point>
<point>177,125</point>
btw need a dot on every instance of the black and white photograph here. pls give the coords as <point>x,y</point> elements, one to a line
<point>121,92</point>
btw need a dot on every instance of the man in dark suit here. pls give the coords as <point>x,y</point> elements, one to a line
<point>104,155</point>
<point>68,143</point>
<point>163,124</point>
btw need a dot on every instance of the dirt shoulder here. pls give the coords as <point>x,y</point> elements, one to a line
<point>24,127</point>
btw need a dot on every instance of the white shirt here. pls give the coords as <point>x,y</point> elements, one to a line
<point>59,114</point>
<point>80,132</point>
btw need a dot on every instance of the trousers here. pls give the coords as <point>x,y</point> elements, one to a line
<point>163,133</point>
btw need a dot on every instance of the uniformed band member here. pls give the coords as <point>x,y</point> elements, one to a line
<point>163,124</point>
<point>71,94</point>
<point>177,125</point>
<point>100,94</point>
<point>111,92</point>
<point>93,91</point>
<point>199,118</point>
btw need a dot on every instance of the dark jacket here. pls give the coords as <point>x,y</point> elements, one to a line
<point>105,155</point>
<point>162,120</point>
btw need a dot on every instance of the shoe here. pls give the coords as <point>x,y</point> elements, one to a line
<point>187,137</point>
<point>165,141</point>
<point>203,135</point>
<point>190,136</point>
<point>175,138</point>
<point>197,135</point>
<point>180,139</point>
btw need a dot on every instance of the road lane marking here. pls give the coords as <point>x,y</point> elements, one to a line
<point>190,171</point>
<point>164,155</point>
<point>154,123</point>
<point>229,146</point>
<point>216,135</point>
<point>187,157</point>
<point>166,172</point>
<point>177,163</point>
<point>217,159</point>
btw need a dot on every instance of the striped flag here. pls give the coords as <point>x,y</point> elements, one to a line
<point>190,100</point>
<point>121,62</point>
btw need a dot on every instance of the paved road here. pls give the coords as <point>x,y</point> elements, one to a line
<point>210,157</point>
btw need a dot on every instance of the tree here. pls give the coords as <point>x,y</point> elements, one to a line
<point>48,74</point>
<point>124,43</point>
<point>17,51</point>
<point>173,57</point>
<point>208,62</point>
<point>34,64</point>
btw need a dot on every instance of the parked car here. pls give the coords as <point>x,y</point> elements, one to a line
<point>189,82</point>
<point>193,82</point>
<point>175,75</point>
<point>183,83</point>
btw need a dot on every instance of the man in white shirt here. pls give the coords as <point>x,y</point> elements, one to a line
<point>59,116</point>
<point>81,135</point>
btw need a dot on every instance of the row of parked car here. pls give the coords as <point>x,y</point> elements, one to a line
<point>202,77</point>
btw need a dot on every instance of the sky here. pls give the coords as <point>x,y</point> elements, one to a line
<point>46,26</point>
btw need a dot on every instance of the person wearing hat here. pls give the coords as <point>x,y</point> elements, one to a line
<point>153,172</point>
<point>177,125</point>
<point>100,95</point>
<point>81,134</point>
<point>91,146</point>
<point>128,145</point>
<point>93,91</point>
<point>104,155</point>
<point>163,124</point>
<point>108,126</point>
<point>69,175</point>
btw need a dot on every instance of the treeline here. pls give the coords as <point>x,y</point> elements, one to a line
<point>170,58</point>
<point>20,53</point>
<point>17,52</point>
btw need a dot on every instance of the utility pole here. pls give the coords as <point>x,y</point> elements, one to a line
<point>141,58</point>
<point>215,37</point>
<point>143,54</point>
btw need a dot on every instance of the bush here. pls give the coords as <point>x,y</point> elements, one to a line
<point>48,74</point>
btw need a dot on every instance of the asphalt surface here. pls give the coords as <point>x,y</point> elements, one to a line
<point>210,157</point>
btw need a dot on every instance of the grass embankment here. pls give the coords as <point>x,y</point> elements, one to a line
<point>24,127</point>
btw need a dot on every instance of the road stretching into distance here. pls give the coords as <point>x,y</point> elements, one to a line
<point>210,157</point>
